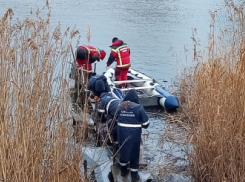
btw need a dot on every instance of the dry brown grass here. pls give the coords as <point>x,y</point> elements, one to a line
<point>35,139</point>
<point>212,96</point>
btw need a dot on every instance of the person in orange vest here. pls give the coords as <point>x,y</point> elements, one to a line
<point>120,52</point>
<point>86,55</point>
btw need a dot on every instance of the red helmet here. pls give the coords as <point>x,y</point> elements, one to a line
<point>102,54</point>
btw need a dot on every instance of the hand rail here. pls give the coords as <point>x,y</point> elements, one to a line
<point>131,81</point>
<point>137,88</point>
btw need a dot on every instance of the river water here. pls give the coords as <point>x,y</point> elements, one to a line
<point>157,31</point>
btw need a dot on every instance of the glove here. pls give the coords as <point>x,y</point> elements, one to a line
<point>96,98</point>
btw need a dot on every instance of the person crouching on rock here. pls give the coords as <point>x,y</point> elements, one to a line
<point>131,119</point>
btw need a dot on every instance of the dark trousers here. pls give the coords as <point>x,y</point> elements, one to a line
<point>114,133</point>
<point>134,166</point>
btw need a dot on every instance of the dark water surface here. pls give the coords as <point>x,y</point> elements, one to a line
<point>156,30</point>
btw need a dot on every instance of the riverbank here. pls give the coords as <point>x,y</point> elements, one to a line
<point>164,150</point>
<point>213,100</point>
<point>207,143</point>
<point>35,140</point>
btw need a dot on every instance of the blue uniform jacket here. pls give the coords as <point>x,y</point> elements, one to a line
<point>109,103</point>
<point>131,118</point>
<point>92,87</point>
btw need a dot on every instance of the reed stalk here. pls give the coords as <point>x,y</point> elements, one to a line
<point>212,96</point>
<point>35,137</point>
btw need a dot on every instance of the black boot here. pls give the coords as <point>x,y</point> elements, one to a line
<point>135,176</point>
<point>124,170</point>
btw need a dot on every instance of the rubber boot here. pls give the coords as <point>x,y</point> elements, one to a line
<point>124,170</point>
<point>135,176</point>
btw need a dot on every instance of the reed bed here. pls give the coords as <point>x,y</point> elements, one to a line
<point>36,142</point>
<point>213,98</point>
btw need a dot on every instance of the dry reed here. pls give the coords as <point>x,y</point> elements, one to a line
<point>35,139</point>
<point>212,96</point>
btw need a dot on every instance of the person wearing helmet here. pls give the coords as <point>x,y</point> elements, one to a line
<point>120,52</point>
<point>131,118</point>
<point>86,55</point>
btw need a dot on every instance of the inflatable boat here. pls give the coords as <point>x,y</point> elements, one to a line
<point>150,92</point>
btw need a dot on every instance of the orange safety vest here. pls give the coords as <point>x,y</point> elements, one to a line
<point>91,51</point>
<point>123,57</point>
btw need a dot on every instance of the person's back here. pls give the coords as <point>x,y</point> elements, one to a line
<point>98,84</point>
<point>131,118</point>
<point>120,52</point>
<point>109,103</point>
<point>86,55</point>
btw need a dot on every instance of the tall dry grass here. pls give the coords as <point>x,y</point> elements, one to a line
<point>35,139</point>
<point>213,97</point>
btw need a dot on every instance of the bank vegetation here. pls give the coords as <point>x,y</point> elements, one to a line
<point>36,142</point>
<point>213,99</point>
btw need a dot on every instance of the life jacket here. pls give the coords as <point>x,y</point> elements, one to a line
<point>85,63</point>
<point>121,53</point>
<point>91,51</point>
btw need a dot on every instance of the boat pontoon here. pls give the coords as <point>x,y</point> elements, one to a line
<point>150,92</point>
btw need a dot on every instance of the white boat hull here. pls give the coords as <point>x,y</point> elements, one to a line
<point>150,92</point>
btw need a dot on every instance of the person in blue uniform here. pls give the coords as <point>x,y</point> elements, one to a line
<point>98,84</point>
<point>108,103</point>
<point>131,119</point>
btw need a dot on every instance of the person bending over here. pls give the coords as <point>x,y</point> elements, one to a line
<point>86,55</point>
